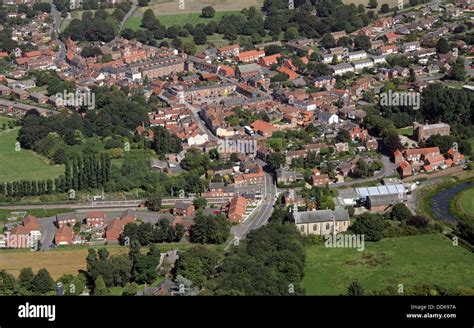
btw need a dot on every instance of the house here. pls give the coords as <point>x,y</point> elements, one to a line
<point>249,70</point>
<point>356,55</point>
<point>415,154</point>
<point>424,131</point>
<point>390,37</point>
<point>328,118</point>
<point>387,50</point>
<point>63,219</point>
<point>320,180</point>
<point>455,156</point>
<point>158,165</point>
<point>183,209</point>
<point>230,50</point>
<point>382,203</point>
<point>343,68</point>
<point>398,157</point>
<point>64,236</point>
<point>236,210</point>
<point>357,133</point>
<point>326,81</point>
<point>285,176</point>
<point>410,46</point>
<point>249,179</point>
<point>384,22</point>
<point>250,56</point>
<point>263,128</point>
<point>95,218</point>
<point>405,169</point>
<point>269,60</point>
<point>321,222</point>
<point>434,161</point>
<point>32,225</point>
<point>361,64</point>
<point>371,145</point>
<point>338,35</point>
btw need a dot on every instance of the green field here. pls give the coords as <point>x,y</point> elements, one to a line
<point>23,164</point>
<point>134,21</point>
<point>408,131</point>
<point>426,259</point>
<point>466,201</point>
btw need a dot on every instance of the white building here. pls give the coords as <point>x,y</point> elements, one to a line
<point>356,55</point>
<point>364,63</point>
<point>342,69</point>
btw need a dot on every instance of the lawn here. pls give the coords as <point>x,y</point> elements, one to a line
<point>5,120</point>
<point>408,131</point>
<point>22,164</point>
<point>466,201</point>
<point>427,259</point>
<point>135,21</point>
<point>67,259</point>
<point>167,7</point>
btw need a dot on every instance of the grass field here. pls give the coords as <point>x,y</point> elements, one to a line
<point>408,131</point>
<point>23,164</point>
<point>167,7</point>
<point>427,259</point>
<point>67,259</point>
<point>466,201</point>
<point>135,20</point>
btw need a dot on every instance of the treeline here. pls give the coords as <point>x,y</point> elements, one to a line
<point>269,261</point>
<point>147,233</point>
<point>98,26</point>
<point>114,114</point>
<point>125,270</point>
<point>81,173</point>
<point>28,283</point>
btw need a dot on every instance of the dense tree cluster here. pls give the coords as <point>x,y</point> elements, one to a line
<point>270,261</point>
<point>27,283</point>
<point>209,229</point>
<point>147,233</point>
<point>100,26</point>
<point>197,264</point>
<point>114,270</point>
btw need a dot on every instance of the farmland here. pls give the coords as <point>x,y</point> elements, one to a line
<point>427,259</point>
<point>66,259</point>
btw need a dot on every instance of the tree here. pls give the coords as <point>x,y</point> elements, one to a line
<point>154,201</point>
<point>442,46</point>
<point>392,142</point>
<point>199,36</point>
<point>458,70</point>
<point>373,4</point>
<point>362,42</point>
<point>400,212</point>
<point>355,289</point>
<point>208,12</point>
<point>130,289</point>
<point>276,160</point>
<point>384,8</point>
<point>328,41</point>
<point>413,3</point>
<point>360,9</point>
<point>26,278</point>
<point>197,264</point>
<point>209,229</point>
<point>100,289</point>
<point>7,283</point>
<point>418,221</point>
<point>200,203</point>
<point>42,282</point>
<point>189,47</point>
<point>369,225</point>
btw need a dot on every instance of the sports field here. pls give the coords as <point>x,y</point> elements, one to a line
<point>426,259</point>
<point>22,164</point>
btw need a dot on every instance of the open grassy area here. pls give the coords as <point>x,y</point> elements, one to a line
<point>68,259</point>
<point>408,131</point>
<point>427,259</point>
<point>23,164</point>
<point>167,7</point>
<point>466,201</point>
<point>135,20</point>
